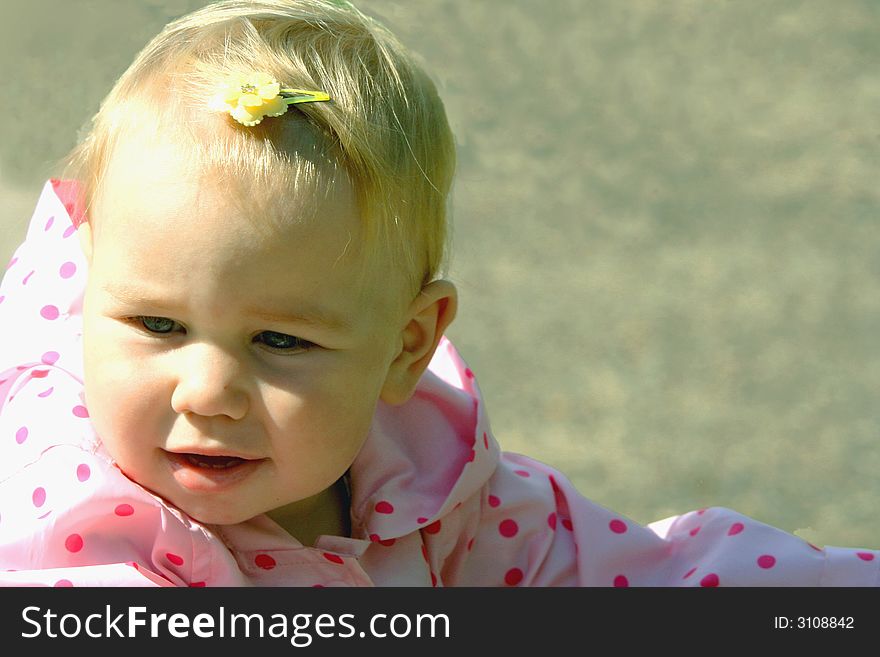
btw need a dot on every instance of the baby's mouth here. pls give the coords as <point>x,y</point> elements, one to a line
<point>212,462</point>
<point>211,473</point>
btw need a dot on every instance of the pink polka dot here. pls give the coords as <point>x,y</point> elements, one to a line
<point>865,556</point>
<point>38,497</point>
<point>486,440</point>
<point>513,576</point>
<point>11,262</point>
<point>49,223</point>
<point>83,472</point>
<point>39,374</point>
<point>470,545</point>
<point>523,473</point>
<point>21,435</point>
<point>49,312</point>
<point>472,456</point>
<point>695,530</point>
<point>375,538</point>
<point>73,543</point>
<point>621,581</point>
<point>27,278</point>
<point>468,373</point>
<point>689,573</point>
<point>566,522</point>
<point>433,528</point>
<point>46,392</point>
<point>425,552</point>
<point>508,528</point>
<point>176,559</point>
<point>551,520</point>
<point>710,580</point>
<point>421,520</point>
<point>50,357</point>
<point>735,529</point>
<point>63,583</point>
<point>81,411</point>
<point>766,561</point>
<point>123,510</point>
<point>67,270</point>
<point>384,507</point>
<point>701,511</point>
<point>494,501</point>
<point>617,526</point>
<point>70,231</point>
<point>2,297</point>
<point>198,585</point>
<point>334,558</point>
<point>264,561</point>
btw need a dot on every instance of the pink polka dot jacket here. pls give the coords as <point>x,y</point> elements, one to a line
<point>434,500</point>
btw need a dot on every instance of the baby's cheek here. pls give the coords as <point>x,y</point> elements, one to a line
<point>124,399</point>
<point>319,417</point>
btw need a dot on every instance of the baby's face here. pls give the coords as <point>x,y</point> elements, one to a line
<point>229,372</point>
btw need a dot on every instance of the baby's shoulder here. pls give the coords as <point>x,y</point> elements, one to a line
<point>41,408</point>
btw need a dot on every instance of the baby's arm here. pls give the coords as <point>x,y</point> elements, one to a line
<point>537,530</point>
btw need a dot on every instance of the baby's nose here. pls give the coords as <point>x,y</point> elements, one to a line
<point>209,383</point>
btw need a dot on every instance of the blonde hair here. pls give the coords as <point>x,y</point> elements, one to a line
<point>385,125</point>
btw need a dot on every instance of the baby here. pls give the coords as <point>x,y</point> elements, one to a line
<point>230,364</point>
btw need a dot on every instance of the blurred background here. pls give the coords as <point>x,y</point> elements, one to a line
<point>667,230</point>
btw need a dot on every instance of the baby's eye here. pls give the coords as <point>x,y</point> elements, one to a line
<point>157,324</point>
<point>282,341</point>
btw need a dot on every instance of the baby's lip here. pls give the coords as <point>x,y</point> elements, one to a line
<point>204,471</point>
<point>213,453</point>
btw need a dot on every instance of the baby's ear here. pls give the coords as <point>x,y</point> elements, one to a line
<point>84,233</point>
<point>429,315</point>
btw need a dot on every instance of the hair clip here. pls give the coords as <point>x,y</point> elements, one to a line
<point>248,97</point>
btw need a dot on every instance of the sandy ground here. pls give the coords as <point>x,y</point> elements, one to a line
<point>666,220</point>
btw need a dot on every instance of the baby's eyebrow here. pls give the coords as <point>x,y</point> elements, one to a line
<point>309,315</point>
<point>315,316</point>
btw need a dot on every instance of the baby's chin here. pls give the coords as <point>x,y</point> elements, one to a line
<point>212,516</point>
<point>205,514</point>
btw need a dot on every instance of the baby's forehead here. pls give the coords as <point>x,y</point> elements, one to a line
<point>158,187</point>
<point>264,187</point>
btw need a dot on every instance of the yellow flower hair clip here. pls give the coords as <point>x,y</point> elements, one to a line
<point>248,97</point>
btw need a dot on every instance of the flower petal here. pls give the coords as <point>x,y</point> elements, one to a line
<point>230,94</point>
<point>260,79</point>
<point>274,107</point>
<point>249,100</point>
<point>269,91</point>
<point>245,117</point>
